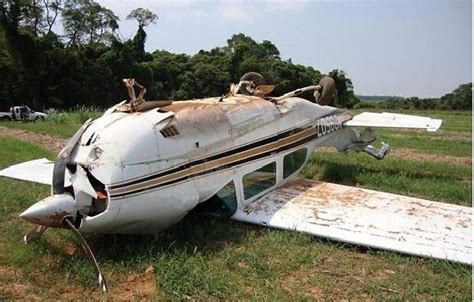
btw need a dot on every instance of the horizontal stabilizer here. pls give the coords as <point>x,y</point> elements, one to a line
<point>38,170</point>
<point>394,120</point>
<point>365,217</point>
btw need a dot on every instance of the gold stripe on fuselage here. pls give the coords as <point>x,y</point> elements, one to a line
<point>199,168</point>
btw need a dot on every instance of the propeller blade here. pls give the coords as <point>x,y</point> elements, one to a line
<point>88,251</point>
<point>34,234</point>
<point>59,168</point>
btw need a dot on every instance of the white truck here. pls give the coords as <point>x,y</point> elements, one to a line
<point>22,113</point>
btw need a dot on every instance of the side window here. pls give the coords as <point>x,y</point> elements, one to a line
<point>293,161</point>
<point>227,195</point>
<point>259,180</point>
<point>222,204</point>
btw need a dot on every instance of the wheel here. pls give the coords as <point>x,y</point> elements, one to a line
<point>328,89</point>
<point>254,77</point>
<point>6,118</point>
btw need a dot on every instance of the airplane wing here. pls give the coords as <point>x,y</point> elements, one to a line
<point>365,217</point>
<point>38,170</point>
<point>394,120</point>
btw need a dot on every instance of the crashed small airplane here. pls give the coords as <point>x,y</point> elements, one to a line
<point>143,165</point>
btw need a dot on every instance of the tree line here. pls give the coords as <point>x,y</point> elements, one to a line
<point>459,99</point>
<point>84,65</point>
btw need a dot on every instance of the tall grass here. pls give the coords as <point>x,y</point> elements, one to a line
<point>77,115</point>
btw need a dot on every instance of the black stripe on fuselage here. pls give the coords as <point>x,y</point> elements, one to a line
<point>222,167</point>
<point>317,134</point>
<point>214,157</point>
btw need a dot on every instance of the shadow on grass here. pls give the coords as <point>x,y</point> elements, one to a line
<point>340,173</point>
<point>346,173</point>
<point>195,233</point>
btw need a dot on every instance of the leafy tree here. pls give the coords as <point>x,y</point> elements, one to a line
<point>143,16</point>
<point>270,50</point>
<point>15,13</point>
<point>87,21</point>
<point>345,94</point>
<point>460,98</point>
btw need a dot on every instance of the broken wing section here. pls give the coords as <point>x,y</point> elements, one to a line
<point>394,120</point>
<point>365,217</point>
<point>38,170</point>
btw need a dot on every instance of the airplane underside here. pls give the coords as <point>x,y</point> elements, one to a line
<point>365,217</point>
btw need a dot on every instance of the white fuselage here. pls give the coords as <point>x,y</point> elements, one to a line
<point>158,165</point>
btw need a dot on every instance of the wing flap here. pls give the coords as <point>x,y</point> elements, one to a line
<point>394,120</point>
<point>38,170</point>
<point>365,217</point>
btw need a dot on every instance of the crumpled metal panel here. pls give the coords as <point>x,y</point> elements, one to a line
<point>365,217</point>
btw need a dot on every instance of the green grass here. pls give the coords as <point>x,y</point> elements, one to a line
<point>436,181</point>
<point>204,258</point>
<point>453,139</point>
<point>45,127</point>
<point>13,151</point>
<point>426,144</point>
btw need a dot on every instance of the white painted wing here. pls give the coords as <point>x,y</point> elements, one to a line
<point>365,217</point>
<point>38,170</point>
<point>394,120</point>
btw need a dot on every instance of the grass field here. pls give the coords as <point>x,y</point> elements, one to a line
<point>209,258</point>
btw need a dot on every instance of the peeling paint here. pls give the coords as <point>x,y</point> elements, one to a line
<point>375,219</point>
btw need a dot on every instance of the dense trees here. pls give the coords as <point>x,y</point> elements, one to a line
<point>85,64</point>
<point>459,99</point>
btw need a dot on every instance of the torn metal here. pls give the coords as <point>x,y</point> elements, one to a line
<point>135,102</point>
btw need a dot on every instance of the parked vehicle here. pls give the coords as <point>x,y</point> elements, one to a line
<point>22,113</point>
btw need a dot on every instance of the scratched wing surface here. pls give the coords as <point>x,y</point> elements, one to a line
<point>365,217</point>
<point>38,170</point>
<point>394,120</point>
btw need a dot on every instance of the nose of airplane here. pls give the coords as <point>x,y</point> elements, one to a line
<point>51,210</point>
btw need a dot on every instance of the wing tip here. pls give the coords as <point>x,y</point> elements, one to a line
<point>434,125</point>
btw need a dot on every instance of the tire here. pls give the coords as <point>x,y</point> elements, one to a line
<point>254,77</point>
<point>328,89</point>
<point>6,118</point>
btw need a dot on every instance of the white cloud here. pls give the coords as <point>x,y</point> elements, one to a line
<point>246,10</point>
<point>286,5</point>
<point>236,10</point>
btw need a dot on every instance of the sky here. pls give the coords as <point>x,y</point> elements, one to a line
<point>387,47</point>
